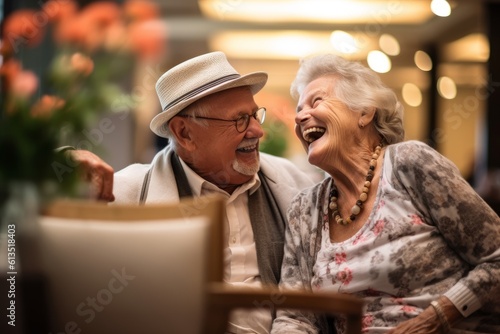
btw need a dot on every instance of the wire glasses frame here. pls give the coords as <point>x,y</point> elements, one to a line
<point>241,123</point>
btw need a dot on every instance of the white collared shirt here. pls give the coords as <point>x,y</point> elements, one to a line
<point>240,255</point>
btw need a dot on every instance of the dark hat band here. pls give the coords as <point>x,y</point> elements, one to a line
<point>200,89</point>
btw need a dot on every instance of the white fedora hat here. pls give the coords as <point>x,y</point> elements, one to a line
<point>196,78</point>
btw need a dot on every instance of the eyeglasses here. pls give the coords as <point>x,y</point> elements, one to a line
<point>241,122</point>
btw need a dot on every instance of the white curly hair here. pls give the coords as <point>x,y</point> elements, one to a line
<point>358,87</point>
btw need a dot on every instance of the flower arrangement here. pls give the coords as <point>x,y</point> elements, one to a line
<point>95,49</point>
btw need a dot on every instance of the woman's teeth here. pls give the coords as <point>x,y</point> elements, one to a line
<point>313,134</point>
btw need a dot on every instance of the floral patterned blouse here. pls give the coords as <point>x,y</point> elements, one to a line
<point>429,234</point>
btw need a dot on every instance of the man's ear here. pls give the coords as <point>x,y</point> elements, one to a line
<point>366,117</point>
<point>181,130</point>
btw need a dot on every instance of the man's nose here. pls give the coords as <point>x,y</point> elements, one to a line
<point>254,129</point>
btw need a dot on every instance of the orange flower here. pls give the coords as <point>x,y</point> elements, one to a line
<point>9,70</point>
<point>140,10</point>
<point>46,106</point>
<point>81,64</point>
<point>79,32</point>
<point>72,31</point>
<point>115,38</point>
<point>149,39</point>
<point>24,84</point>
<point>24,27</point>
<point>88,28</point>
<point>101,14</point>
<point>59,10</point>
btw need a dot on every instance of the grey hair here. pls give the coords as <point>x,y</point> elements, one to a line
<point>194,109</point>
<point>358,88</point>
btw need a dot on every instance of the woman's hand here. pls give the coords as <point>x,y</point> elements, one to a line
<point>428,322</point>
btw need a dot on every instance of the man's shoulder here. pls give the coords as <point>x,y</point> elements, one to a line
<point>275,159</point>
<point>133,170</point>
<point>128,182</point>
<point>278,164</point>
<point>281,169</point>
<point>139,170</point>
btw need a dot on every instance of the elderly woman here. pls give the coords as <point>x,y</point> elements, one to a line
<point>395,223</point>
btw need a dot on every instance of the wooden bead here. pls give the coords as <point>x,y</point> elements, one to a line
<point>356,209</point>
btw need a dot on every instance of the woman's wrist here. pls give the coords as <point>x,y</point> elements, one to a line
<point>443,320</point>
<point>446,312</point>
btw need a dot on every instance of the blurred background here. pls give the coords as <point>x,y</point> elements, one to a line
<point>440,57</point>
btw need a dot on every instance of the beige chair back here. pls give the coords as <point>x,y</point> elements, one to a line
<point>130,269</point>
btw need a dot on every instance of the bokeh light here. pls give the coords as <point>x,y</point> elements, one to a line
<point>423,60</point>
<point>389,44</point>
<point>378,61</point>
<point>447,87</point>
<point>412,94</point>
<point>343,42</point>
<point>441,8</point>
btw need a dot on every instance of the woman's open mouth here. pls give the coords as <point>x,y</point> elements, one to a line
<point>313,134</point>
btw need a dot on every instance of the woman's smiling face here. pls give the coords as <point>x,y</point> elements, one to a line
<point>324,125</point>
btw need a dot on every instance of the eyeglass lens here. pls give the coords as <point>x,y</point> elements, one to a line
<point>243,121</point>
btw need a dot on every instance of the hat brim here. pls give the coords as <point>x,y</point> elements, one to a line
<point>256,81</point>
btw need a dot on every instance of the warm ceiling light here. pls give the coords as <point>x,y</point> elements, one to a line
<point>389,44</point>
<point>379,12</point>
<point>343,42</point>
<point>378,61</point>
<point>473,48</point>
<point>441,8</point>
<point>411,94</point>
<point>288,44</point>
<point>447,88</point>
<point>270,45</point>
<point>423,60</point>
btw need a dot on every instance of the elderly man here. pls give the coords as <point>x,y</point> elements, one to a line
<point>214,125</point>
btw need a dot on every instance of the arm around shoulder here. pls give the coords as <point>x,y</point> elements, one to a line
<point>94,171</point>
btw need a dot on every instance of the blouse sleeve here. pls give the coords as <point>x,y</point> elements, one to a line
<point>293,276</point>
<point>469,226</point>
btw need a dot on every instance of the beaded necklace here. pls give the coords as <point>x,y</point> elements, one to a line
<point>356,209</point>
